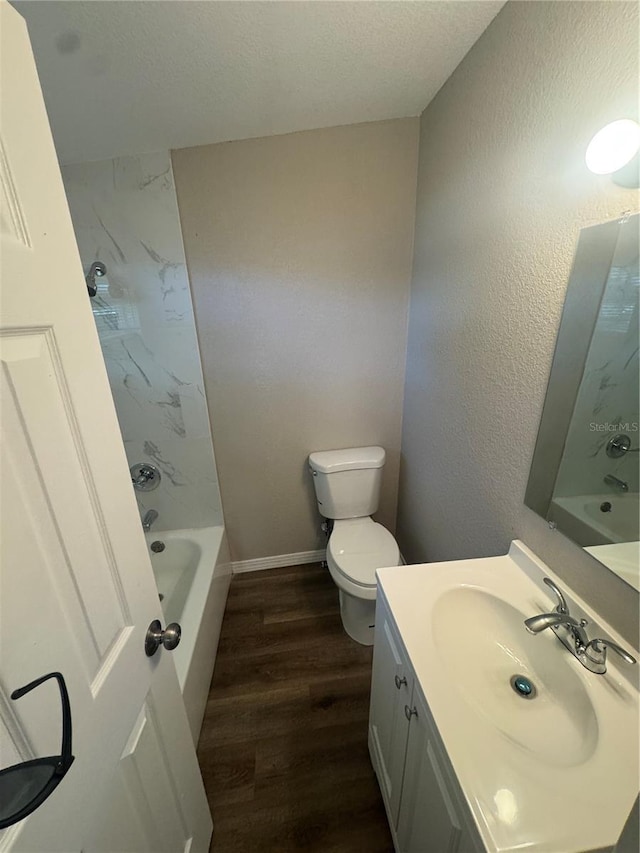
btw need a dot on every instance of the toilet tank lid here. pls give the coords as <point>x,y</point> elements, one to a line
<point>349,459</point>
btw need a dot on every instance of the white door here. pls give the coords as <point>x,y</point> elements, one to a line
<point>76,588</point>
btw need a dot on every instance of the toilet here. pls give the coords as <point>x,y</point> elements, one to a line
<point>347,485</point>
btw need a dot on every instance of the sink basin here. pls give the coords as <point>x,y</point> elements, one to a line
<point>483,643</point>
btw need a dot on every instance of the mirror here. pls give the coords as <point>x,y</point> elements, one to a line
<point>584,473</point>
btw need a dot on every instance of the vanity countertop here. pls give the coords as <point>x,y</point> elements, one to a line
<point>558,772</point>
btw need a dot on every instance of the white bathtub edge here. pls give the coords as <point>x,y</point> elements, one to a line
<point>201,617</point>
<point>195,690</point>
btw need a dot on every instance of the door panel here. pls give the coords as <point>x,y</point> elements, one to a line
<point>143,792</point>
<point>52,473</point>
<point>147,776</point>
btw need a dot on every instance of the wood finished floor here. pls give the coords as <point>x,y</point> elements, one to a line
<point>283,749</point>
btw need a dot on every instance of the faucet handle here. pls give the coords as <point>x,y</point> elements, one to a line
<point>144,476</point>
<point>596,651</point>
<point>562,604</point>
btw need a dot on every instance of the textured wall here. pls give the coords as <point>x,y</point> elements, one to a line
<point>299,251</point>
<point>502,194</point>
<point>125,214</point>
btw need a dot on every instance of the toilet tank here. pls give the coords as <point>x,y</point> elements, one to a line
<point>347,482</point>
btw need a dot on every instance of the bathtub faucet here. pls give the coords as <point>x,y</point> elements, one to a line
<point>615,483</point>
<point>149,517</point>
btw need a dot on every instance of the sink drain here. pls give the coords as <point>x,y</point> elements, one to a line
<point>523,686</point>
<point>158,547</point>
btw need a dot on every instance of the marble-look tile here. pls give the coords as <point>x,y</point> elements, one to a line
<point>188,494</point>
<point>608,397</point>
<point>150,398</point>
<point>125,214</point>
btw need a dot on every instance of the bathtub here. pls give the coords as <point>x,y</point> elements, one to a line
<point>583,519</point>
<point>192,574</point>
<point>623,558</point>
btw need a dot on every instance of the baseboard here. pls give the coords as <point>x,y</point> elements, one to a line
<point>277,561</point>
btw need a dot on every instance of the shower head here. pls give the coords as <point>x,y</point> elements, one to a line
<point>96,270</point>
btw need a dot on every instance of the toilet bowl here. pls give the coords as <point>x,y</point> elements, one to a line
<point>357,547</point>
<point>347,485</point>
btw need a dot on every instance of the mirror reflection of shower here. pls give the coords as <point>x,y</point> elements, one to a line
<point>96,270</point>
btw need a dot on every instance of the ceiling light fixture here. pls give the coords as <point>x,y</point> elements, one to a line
<point>614,149</point>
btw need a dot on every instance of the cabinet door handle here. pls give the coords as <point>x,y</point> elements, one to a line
<point>410,712</point>
<point>400,681</point>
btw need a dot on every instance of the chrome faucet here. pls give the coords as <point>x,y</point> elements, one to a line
<point>615,483</point>
<point>149,517</point>
<point>592,654</point>
<point>536,624</point>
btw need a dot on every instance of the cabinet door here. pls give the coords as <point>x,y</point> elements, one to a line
<point>428,821</point>
<point>388,726</point>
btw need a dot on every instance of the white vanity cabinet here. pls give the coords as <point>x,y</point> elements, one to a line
<point>425,807</point>
<point>391,693</point>
<point>465,763</point>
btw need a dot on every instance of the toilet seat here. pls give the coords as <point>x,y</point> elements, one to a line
<point>357,547</point>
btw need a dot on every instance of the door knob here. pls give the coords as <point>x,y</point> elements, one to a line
<point>169,638</point>
<point>400,681</point>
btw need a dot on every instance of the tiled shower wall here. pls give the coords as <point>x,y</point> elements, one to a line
<point>125,214</point>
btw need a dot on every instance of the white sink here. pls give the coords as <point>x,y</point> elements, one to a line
<point>557,772</point>
<point>558,724</point>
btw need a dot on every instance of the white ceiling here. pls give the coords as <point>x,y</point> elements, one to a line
<point>130,77</point>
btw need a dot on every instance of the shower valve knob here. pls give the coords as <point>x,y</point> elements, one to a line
<point>144,477</point>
